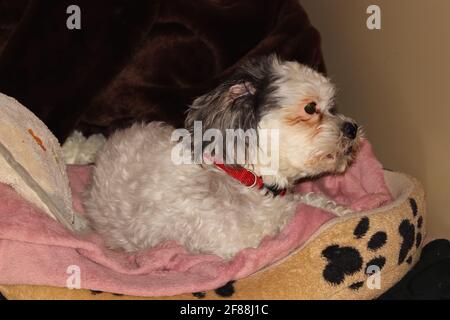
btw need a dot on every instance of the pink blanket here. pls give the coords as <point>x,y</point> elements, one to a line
<point>36,250</point>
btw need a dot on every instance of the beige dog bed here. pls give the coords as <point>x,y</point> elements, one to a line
<point>389,237</point>
<point>358,256</point>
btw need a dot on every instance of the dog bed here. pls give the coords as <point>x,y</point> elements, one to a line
<point>317,256</point>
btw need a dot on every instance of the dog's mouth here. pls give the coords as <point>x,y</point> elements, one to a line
<point>348,152</point>
<point>340,160</point>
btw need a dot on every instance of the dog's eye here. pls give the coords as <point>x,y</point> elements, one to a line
<point>311,108</point>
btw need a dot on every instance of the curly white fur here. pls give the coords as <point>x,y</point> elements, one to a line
<point>77,149</point>
<point>140,205</point>
<point>140,198</point>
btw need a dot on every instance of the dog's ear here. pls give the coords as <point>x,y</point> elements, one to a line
<point>237,105</point>
<point>241,90</point>
<point>229,106</point>
<point>237,102</point>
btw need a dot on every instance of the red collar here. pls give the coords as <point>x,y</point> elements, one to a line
<point>248,178</point>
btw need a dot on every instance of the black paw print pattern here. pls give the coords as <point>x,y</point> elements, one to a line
<point>407,230</point>
<point>346,261</point>
<point>96,292</point>
<point>225,291</point>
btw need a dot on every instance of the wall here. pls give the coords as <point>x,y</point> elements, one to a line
<point>395,82</point>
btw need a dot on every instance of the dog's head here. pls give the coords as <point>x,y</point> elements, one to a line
<point>287,99</point>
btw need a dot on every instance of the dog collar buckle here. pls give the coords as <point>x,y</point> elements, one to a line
<point>255,182</point>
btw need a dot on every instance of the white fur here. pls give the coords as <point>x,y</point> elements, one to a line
<point>77,149</point>
<point>139,198</point>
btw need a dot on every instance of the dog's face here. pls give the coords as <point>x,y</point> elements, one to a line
<point>296,101</point>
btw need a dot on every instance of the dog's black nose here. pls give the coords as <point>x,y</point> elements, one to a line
<point>350,130</point>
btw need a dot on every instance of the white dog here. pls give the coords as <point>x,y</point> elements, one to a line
<point>139,197</point>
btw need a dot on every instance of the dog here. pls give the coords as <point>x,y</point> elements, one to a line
<point>139,197</point>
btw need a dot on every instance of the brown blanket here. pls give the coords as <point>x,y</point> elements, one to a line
<point>137,60</point>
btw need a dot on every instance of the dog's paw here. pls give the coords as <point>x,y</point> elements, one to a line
<point>319,200</point>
